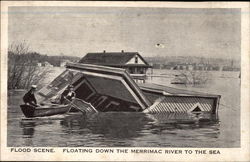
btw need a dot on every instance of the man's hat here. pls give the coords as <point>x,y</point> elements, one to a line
<point>33,87</point>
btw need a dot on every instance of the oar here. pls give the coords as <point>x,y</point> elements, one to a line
<point>75,106</point>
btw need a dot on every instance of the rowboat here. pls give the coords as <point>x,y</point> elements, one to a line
<point>31,111</point>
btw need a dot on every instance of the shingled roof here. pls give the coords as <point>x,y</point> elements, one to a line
<point>110,58</point>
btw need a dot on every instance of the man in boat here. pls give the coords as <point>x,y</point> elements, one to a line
<point>68,95</point>
<point>29,98</point>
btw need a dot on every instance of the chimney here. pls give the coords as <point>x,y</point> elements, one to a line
<point>104,51</point>
<point>122,51</point>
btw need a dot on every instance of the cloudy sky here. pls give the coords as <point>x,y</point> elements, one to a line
<point>78,30</point>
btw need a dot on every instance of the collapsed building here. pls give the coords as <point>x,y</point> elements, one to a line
<point>113,89</point>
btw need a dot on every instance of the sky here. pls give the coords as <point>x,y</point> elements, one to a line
<point>76,31</point>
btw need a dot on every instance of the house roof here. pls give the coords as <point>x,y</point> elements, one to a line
<point>110,58</point>
<point>111,74</point>
<point>174,91</point>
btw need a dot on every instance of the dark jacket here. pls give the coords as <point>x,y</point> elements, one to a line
<point>29,98</point>
<point>63,96</point>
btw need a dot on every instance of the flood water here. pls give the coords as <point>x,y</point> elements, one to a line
<point>134,129</point>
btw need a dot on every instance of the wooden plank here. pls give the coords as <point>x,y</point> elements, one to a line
<point>83,106</point>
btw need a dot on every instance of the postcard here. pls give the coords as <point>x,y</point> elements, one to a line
<point>124,81</point>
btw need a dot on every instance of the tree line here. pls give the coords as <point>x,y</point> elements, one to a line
<point>40,58</point>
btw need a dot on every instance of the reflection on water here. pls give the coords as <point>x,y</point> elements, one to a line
<point>109,125</point>
<point>28,129</point>
<point>28,126</point>
<point>116,129</point>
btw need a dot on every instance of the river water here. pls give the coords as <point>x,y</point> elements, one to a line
<point>133,129</point>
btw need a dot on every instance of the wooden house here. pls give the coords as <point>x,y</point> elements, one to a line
<point>133,62</point>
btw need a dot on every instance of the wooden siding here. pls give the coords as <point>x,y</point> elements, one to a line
<point>180,104</point>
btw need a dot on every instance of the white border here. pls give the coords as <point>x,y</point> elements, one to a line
<point>227,154</point>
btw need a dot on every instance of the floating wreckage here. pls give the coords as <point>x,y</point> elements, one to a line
<point>105,89</point>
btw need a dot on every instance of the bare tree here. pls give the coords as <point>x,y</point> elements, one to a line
<point>193,77</point>
<point>22,68</point>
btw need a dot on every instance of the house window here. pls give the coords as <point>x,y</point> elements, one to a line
<point>142,71</point>
<point>136,59</point>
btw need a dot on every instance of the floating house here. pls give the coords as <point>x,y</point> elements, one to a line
<point>113,89</point>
